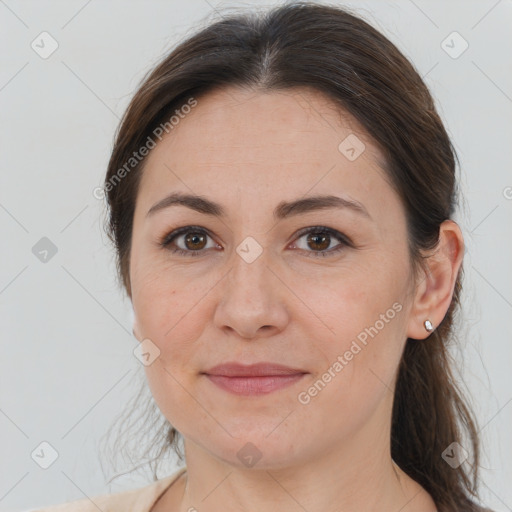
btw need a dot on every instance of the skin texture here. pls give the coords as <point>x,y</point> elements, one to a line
<point>249,151</point>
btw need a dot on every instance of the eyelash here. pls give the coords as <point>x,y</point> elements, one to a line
<point>317,230</point>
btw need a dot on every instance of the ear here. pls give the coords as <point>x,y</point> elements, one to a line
<point>434,291</point>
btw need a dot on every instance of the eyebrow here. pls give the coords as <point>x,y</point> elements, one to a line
<point>282,211</point>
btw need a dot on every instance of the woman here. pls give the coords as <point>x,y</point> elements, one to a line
<point>281,194</point>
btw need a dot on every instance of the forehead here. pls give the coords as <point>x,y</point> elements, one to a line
<point>253,125</point>
<point>285,142</point>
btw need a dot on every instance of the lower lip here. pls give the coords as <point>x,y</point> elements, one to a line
<point>255,385</point>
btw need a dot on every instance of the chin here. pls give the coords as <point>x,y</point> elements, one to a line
<point>257,448</point>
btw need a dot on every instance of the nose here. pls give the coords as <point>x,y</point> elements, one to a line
<point>253,303</point>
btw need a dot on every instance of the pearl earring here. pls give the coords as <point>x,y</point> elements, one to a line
<point>428,325</point>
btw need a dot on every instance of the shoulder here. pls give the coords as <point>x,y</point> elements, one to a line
<point>140,499</point>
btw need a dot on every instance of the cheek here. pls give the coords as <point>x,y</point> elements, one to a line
<point>343,303</point>
<point>171,312</point>
<point>359,330</point>
<point>358,373</point>
<point>172,398</point>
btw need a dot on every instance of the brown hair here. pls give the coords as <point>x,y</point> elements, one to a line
<point>332,51</point>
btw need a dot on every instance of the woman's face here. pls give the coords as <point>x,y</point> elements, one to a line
<point>265,284</point>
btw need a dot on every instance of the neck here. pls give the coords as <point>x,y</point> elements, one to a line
<point>359,475</point>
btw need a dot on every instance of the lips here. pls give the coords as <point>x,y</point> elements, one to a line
<point>255,379</point>
<point>264,369</point>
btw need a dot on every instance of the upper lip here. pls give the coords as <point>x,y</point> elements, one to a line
<point>233,369</point>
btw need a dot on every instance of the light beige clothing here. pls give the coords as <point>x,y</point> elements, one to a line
<point>134,500</point>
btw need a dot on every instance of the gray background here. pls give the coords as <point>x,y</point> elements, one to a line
<point>66,360</point>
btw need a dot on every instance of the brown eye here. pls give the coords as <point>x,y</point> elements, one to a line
<point>319,242</point>
<point>195,241</point>
<point>192,241</point>
<point>188,241</point>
